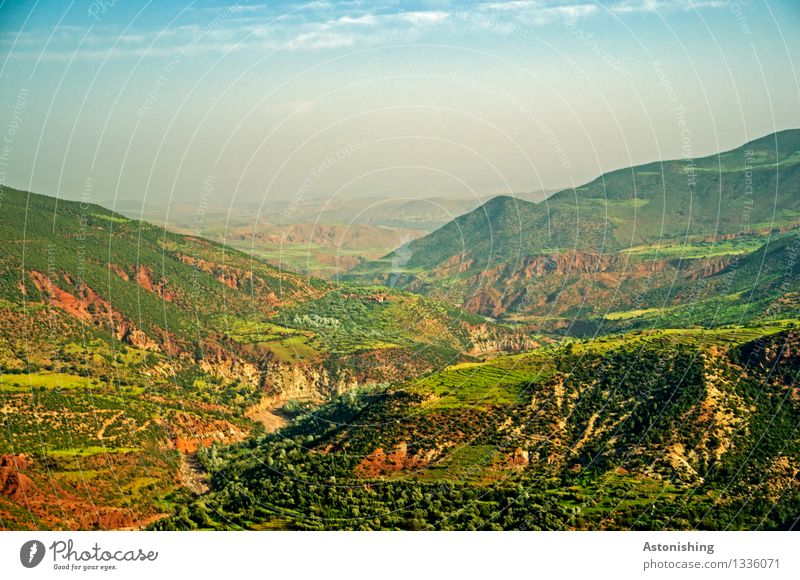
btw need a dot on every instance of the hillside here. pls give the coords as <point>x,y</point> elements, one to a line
<point>673,430</point>
<point>617,243</point>
<point>150,378</point>
<point>156,379</point>
<point>124,348</point>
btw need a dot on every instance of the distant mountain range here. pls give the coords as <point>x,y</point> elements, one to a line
<point>320,237</point>
<point>415,213</point>
<point>632,239</point>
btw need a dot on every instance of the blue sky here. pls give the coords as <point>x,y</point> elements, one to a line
<point>147,100</point>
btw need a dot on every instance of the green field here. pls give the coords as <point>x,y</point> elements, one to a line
<point>505,380</point>
<point>28,381</point>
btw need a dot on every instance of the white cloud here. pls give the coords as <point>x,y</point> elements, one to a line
<point>575,11</point>
<point>516,5</point>
<point>588,7</point>
<point>427,17</point>
<point>533,13</point>
<point>366,19</point>
<point>652,6</point>
<point>320,40</point>
<point>248,7</point>
<point>326,25</point>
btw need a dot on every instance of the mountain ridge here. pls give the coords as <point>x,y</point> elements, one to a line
<point>658,215</point>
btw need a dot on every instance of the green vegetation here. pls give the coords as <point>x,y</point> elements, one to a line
<point>700,249</point>
<point>91,450</point>
<point>642,375</point>
<point>124,347</point>
<point>616,434</point>
<point>502,381</point>
<point>30,381</point>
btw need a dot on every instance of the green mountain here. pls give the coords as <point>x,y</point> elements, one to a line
<point>124,348</point>
<point>621,242</point>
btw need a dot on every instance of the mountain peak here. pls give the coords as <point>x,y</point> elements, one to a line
<point>501,199</point>
<point>503,202</point>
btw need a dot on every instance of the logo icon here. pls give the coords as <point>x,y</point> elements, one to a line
<point>31,553</point>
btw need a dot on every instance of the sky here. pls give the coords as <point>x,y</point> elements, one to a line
<point>217,102</point>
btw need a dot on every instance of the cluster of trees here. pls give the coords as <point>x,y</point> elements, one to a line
<point>280,482</point>
<point>633,403</point>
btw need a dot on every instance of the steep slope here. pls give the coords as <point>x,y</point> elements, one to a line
<point>606,245</point>
<point>671,429</point>
<point>125,348</point>
<point>169,293</point>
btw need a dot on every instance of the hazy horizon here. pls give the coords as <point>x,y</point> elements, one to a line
<point>248,103</point>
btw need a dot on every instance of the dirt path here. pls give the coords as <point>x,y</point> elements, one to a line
<point>270,420</point>
<point>264,413</point>
<point>586,434</point>
<point>101,433</point>
<point>192,474</point>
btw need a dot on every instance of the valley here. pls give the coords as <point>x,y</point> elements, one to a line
<point>660,430</point>
<point>619,356</point>
<point>320,237</point>
<point>121,360</point>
